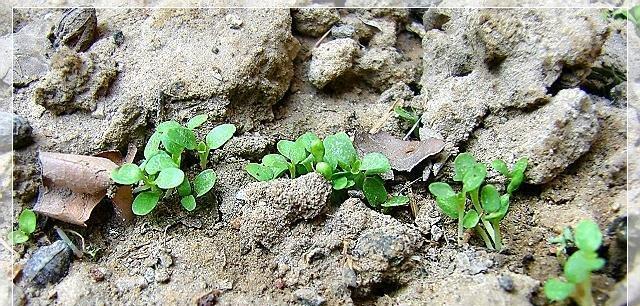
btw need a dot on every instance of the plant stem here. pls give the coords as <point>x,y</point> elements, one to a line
<point>582,295</point>
<point>498,236</point>
<point>476,204</point>
<point>460,226</point>
<point>292,170</point>
<point>484,236</point>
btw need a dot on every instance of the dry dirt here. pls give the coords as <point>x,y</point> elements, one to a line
<point>495,82</point>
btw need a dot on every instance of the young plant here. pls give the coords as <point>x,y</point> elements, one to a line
<point>563,242</point>
<point>578,267</point>
<point>488,206</point>
<point>159,173</point>
<point>26,226</point>
<point>411,116</point>
<point>336,159</point>
<point>515,176</point>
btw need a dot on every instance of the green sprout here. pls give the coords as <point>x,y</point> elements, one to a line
<point>160,172</point>
<point>411,116</point>
<point>488,206</point>
<point>336,159</point>
<point>26,226</point>
<point>563,242</point>
<point>576,283</point>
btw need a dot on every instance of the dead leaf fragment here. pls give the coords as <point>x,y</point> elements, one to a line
<point>74,184</point>
<point>403,155</point>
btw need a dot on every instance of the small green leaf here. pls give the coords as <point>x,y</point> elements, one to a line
<point>27,221</point>
<point>152,147</point>
<point>339,150</point>
<point>490,198</point>
<point>474,177</point>
<point>375,163</point>
<point>317,150</point>
<point>167,125</point>
<point>558,290</point>
<point>17,237</point>
<point>441,190</point>
<point>580,265</point>
<point>203,182</point>
<point>396,201</point>
<point>188,202</point>
<point>340,183</point>
<point>504,207</point>
<point>324,169</point>
<point>259,172</point>
<point>145,202</point>
<point>184,189</point>
<point>306,140</point>
<point>501,167</point>
<point>159,162</point>
<point>277,163</point>
<point>292,150</point>
<point>449,205</point>
<point>170,146</point>
<point>374,191</point>
<point>471,219</point>
<point>588,236</point>
<point>463,163</point>
<point>197,121</point>
<point>515,182</point>
<point>127,174</point>
<point>521,165</point>
<point>183,137</point>
<point>219,135</point>
<point>307,163</point>
<point>170,178</point>
<point>406,115</point>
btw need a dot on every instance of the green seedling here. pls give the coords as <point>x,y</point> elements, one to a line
<point>26,226</point>
<point>488,206</point>
<point>159,173</point>
<point>411,116</point>
<point>563,242</point>
<point>576,281</point>
<point>336,159</point>
<point>634,15</point>
<point>515,176</point>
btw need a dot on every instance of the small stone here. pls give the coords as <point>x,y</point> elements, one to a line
<point>314,22</point>
<point>48,264</point>
<point>436,233</point>
<point>118,38</point>
<point>279,284</point>
<point>162,275</point>
<point>234,21</point>
<point>210,298</point>
<point>97,274</point>
<point>308,297</point>
<point>127,284</point>
<point>149,275</point>
<point>165,259</point>
<point>21,132</point>
<point>343,31</point>
<point>331,60</point>
<point>505,282</point>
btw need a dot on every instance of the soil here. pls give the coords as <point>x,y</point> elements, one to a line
<point>289,242</point>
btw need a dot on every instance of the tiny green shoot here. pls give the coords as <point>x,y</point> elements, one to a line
<point>576,281</point>
<point>488,206</point>
<point>26,226</point>
<point>160,172</point>
<point>336,159</point>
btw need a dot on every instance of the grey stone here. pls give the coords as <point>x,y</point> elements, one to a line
<point>552,137</point>
<point>308,297</point>
<point>21,132</point>
<point>30,49</point>
<point>331,60</point>
<point>48,265</point>
<point>314,22</point>
<point>384,67</point>
<point>343,31</point>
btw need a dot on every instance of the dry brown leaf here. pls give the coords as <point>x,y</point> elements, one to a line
<point>403,155</point>
<point>74,184</point>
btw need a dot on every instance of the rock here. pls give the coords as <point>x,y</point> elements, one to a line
<point>552,137</point>
<point>610,67</point>
<point>130,283</point>
<point>308,297</point>
<point>252,148</point>
<point>506,282</point>
<point>314,22</point>
<point>76,29</point>
<point>274,206</point>
<point>118,38</point>
<point>222,72</point>
<point>343,31</point>
<point>47,265</point>
<point>30,53</point>
<point>511,67</point>
<point>75,82</point>
<point>21,132</point>
<point>384,67</point>
<point>162,275</point>
<point>331,60</point>
<point>234,21</point>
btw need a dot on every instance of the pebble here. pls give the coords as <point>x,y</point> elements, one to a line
<point>162,275</point>
<point>165,259</point>
<point>343,31</point>
<point>118,38</point>
<point>234,21</point>
<point>48,264</point>
<point>210,298</point>
<point>97,274</point>
<point>505,282</point>
<point>21,132</point>
<point>308,297</point>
